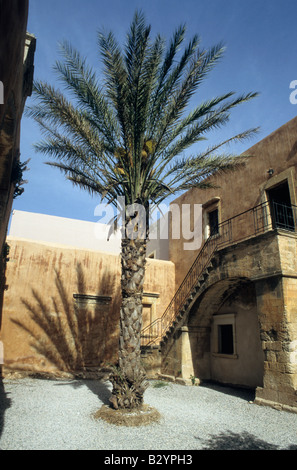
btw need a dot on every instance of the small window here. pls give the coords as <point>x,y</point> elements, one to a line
<point>224,335</point>
<point>225,339</point>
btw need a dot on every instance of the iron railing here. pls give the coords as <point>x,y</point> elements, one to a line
<point>284,216</point>
<point>260,219</point>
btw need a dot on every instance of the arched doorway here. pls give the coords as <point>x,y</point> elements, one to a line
<point>224,334</point>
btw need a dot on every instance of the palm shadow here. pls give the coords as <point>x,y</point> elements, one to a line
<point>78,333</point>
<point>238,441</point>
<point>4,258</point>
<point>100,387</point>
<point>4,401</point>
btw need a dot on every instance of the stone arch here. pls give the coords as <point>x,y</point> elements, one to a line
<point>232,302</point>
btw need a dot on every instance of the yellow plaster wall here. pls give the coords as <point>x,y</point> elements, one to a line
<point>42,279</point>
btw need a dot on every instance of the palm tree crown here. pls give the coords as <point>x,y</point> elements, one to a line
<point>128,136</point>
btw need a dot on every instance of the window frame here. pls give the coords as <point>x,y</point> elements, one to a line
<point>208,207</point>
<point>286,176</point>
<point>222,320</point>
<point>215,226</point>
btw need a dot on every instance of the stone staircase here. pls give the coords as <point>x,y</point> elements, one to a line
<point>185,309</point>
<point>162,329</point>
<point>243,226</point>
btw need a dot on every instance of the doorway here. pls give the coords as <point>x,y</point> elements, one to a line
<point>282,212</point>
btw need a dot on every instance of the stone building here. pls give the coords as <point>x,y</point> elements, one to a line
<point>233,318</point>
<point>16,72</point>
<point>16,77</point>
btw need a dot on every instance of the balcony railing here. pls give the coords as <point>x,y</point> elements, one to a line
<point>248,224</point>
<point>284,216</point>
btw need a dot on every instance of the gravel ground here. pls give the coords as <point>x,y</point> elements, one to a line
<point>37,414</point>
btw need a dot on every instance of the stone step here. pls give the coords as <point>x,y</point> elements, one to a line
<point>201,280</point>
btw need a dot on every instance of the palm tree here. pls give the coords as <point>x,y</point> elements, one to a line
<point>126,138</point>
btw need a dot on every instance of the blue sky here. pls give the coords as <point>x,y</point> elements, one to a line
<point>261,55</point>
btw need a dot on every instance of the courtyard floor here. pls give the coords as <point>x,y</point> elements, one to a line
<point>38,414</point>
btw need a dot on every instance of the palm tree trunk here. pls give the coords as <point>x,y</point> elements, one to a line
<point>128,379</point>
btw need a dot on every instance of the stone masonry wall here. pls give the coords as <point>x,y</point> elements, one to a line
<point>244,189</point>
<point>277,309</point>
<point>268,263</point>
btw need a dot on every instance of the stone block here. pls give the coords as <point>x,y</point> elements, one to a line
<point>272,345</point>
<point>266,394</point>
<point>291,368</point>
<point>181,381</point>
<point>166,378</point>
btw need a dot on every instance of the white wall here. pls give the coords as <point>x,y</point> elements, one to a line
<point>76,233</point>
<point>62,231</point>
<point>158,243</point>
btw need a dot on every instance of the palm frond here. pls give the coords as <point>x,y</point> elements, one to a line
<point>129,135</point>
<point>81,81</point>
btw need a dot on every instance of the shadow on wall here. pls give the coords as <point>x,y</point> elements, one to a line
<point>75,337</point>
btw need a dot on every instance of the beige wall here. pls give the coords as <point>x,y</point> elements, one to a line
<point>43,328</point>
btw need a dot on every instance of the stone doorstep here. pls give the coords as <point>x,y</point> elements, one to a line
<point>275,399</point>
<point>275,405</point>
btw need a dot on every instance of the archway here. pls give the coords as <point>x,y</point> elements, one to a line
<point>224,334</point>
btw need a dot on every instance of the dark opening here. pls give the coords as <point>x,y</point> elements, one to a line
<point>226,339</point>
<point>281,208</point>
<point>213,219</point>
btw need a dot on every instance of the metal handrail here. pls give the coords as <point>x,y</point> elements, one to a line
<point>158,328</point>
<point>245,225</point>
